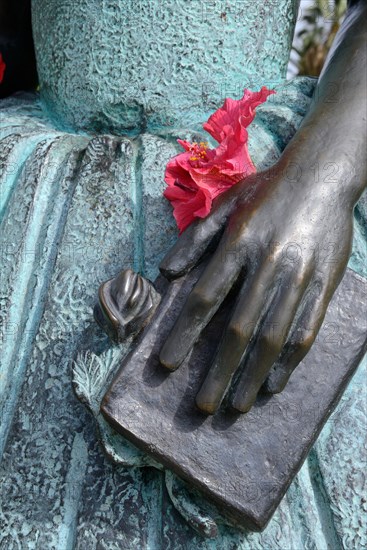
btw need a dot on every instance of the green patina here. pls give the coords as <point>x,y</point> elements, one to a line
<point>75,208</point>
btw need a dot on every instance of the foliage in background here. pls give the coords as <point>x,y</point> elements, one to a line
<point>319,25</point>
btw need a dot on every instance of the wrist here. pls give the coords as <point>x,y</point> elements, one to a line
<point>324,166</point>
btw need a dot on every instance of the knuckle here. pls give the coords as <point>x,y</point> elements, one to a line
<point>307,342</point>
<point>235,332</point>
<point>303,343</point>
<point>270,342</point>
<point>200,299</point>
<point>299,280</point>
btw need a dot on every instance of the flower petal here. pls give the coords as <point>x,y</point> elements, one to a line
<point>178,169</point>
<point>185,144</point>
<point>200,174</point>
<point>2,68</point>
<point>187,206</point>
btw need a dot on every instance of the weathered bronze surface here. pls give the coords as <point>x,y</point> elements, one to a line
<point>244,463</point>
<point>126,304</point>
<point>76,205</point>
<point>284,238</point>
<point>278,244</point>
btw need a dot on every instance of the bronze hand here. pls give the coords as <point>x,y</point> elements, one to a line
<point>287,239</point>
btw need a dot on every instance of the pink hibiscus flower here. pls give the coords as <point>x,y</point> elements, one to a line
<point>195,177</point>
<point>2,68</point>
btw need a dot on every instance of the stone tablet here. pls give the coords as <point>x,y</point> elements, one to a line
<point>243,463</point>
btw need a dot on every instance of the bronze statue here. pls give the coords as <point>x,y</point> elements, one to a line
<point>283,241</point>
<point>253,281</point>
<point>82,185</point>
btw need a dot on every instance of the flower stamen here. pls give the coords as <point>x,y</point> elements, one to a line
<point>199,150</point>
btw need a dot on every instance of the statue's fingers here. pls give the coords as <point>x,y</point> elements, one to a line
<point>236,337</point>
<point>202,303</point>
<point>187,252</point>
<point>269,340</point>
<point>301,338</point>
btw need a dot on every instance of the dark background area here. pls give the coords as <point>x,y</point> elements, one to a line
<point>16,47</point>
